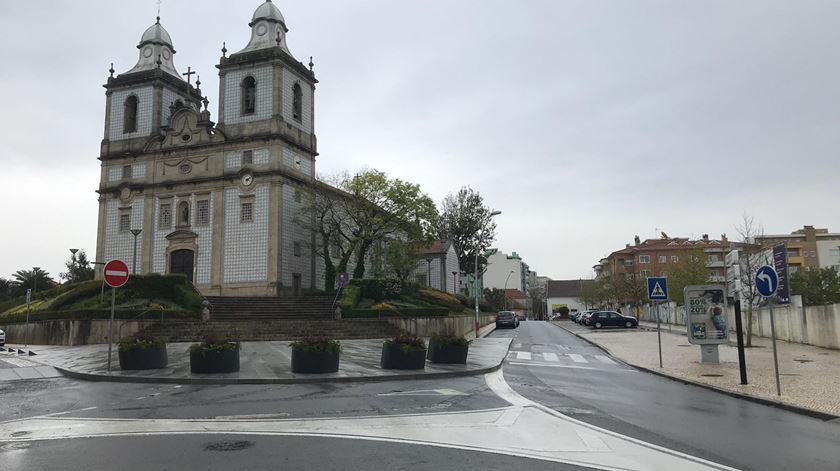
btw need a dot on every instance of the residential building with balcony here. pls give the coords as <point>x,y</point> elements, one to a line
<point>808,247</point>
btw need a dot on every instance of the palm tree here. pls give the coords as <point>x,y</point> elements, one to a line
<point>35,279</point>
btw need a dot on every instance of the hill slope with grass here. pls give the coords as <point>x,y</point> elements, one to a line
<point>393,298</point>
<point>144,296</point>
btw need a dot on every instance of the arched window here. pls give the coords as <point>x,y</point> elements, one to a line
<point>249,95</point>
<point>184,213</point>
<point>297,102</point>
<point>130,115</point>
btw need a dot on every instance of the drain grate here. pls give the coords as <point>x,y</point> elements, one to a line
<point>228,445</point>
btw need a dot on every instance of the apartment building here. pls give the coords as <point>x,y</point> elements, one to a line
<point>808,247</point>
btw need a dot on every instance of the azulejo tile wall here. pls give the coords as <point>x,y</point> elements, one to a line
<point>292,233</point>
<point>246,243</point>
<point>289,80</point>
<point>144,113</point>
<point>120,244</point>
<point>233,95</point>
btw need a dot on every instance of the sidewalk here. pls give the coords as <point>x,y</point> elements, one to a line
<point>810,376</point>
<point>265,363</point>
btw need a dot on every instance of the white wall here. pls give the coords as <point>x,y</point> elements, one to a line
<point>246,244</point>
<point>828,253</point>
<point>572,303</point>
<point>264,77</point>
<point>498,268</point>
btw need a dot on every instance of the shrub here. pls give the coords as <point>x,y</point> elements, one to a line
<point>316,344</point>
<point>214,343</point>
<point>350,296</point>
<point>81,290</point>
<point>140,341</point>
<point>450,339</point>
<point>440,298</point>
<point>406,342</point>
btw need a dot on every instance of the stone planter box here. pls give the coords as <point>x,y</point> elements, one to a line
<point>151,358</point>
<point>394,358</point>
<point>223,361</point>
<point>314,362</point>
<point>447,353</point>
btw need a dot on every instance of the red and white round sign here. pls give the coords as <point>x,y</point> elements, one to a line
<point>116,273</point>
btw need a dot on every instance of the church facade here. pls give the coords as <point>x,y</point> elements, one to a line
<point>217,202</point>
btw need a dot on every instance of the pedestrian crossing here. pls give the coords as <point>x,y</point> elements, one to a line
<point>558,358</point>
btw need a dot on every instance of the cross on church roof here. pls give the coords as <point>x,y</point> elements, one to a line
<point>188,74</point>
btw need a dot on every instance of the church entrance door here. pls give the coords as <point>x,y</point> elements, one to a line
<point>181,261</point>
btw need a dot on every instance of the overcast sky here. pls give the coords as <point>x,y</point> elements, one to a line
<point>585,122</point>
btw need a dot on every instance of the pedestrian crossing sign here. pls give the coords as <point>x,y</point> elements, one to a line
<point>657,288</point>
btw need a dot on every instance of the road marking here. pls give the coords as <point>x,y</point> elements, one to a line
<point>605,359</point>
<point>426,392</point>
<point>550,357</point>
<point>523,355</point>
<point>577,358</point>
<point>553,365</point>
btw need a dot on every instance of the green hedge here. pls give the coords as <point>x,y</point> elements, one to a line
<point>85,314</point>
<point>376,313</point>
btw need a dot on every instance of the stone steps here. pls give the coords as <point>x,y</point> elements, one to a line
<point>268,308</point>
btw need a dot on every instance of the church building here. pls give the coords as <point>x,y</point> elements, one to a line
<point>216,202</point>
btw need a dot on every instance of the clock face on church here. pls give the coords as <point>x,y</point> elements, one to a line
<point>247,179</point>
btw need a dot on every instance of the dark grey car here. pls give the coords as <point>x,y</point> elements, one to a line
<point>507,319</point>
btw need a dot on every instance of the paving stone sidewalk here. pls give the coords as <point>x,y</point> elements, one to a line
<point>14,367</point>
<point>810,376</point>
<point>266,363</point>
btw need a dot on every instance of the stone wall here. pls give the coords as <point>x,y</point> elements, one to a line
<point>71,332</point>
<point>426,326</point>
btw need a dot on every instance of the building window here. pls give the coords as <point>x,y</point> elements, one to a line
<point>183,213</point>
<point>644,258</point>
<point>297,196</point>
<point>127,172</point>
<point>248,157</point>
<point>202,208</point>
<point>675,258</point>
<point>644,273</point>
<point>247,212</point>
<point>713,259</point>
<point>165,216</point>
<point>130,115</point>
<point>125,222</point>
<point>249,95</point>
<point>296,249</point>
<point>663,258</point>
<point>297,102</point>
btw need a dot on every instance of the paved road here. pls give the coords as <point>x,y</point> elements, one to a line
<point>553,367</point>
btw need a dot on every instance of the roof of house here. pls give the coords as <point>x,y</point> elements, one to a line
<point>437,247</point>
<point>513,293</point>
<point>564,288</point>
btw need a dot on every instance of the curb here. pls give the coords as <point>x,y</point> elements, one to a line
<point>757,399</point>
<point>299,380</point>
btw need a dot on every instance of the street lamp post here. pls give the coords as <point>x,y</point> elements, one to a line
<point>478,249</point>
<point>135,232</point>
<point>35,271</point>
<point>506,282</point>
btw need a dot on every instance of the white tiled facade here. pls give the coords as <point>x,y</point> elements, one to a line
<point>144,113</point>
<point>204,241</point>
<point>246,243</point>
<point>169,97</point>
<point>120,244</point>
<point>289,80</point>
<point>233,160</point>
<point>297,161</point>
<point>159,240</point>
<point>137,171</point>
<point>294,233</point>
<point>233,95</point>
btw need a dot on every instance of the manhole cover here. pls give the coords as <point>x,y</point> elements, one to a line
<point>228,445</point>
<point>712,375</point>
<point>802,360</point>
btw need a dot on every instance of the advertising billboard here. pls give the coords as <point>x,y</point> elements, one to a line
<point>706,314</point>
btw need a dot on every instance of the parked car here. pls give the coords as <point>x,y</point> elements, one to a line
<point>611,319</point>
<point>582,318</point>
<point>2,338</point>
<point>507,319</point>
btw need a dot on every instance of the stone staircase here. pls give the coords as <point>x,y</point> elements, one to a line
<point>265,330</point>
<point>271,308</point>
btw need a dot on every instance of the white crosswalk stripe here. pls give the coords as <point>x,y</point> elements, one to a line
<point>577,358</point>
<point>550,357</point>
<point>605,359</point>
<point>523,355</point>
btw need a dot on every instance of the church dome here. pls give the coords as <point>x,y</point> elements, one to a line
<point>268,11</point>
<point>156,34</point>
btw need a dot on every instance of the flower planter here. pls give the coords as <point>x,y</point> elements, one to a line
<point>440,352</point>
<point>314,362</point>
<point>150,358</point>
<point>395,358</point>
<point>214,361</point>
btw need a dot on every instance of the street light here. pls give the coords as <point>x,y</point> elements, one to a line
<point>135,232</point>
<point>477,252</point>
<point>506,282</point>
<point>35,271</point>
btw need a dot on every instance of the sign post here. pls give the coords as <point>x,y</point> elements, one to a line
<point>658,291</point>
<point>116,275</point>
<point>28,301</point>
<point>767,283</point>
<point>705,319</point>
<point>733,285</point>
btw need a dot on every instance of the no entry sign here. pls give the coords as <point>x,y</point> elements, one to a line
<point>116,273</point>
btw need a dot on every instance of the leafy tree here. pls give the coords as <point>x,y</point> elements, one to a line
<point>751,257</point>
<point>78,268</point>
<point>495,298</point>
<point>35,279</point>
<point>6,287</point>
<point>818,286</point>
<point>690,270</point>
<point>381,207</point>
<point>589,293</point>
<point>401,259</point>
<point>468,223</point>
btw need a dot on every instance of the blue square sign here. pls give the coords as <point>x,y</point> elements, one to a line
<point>657,288</point>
